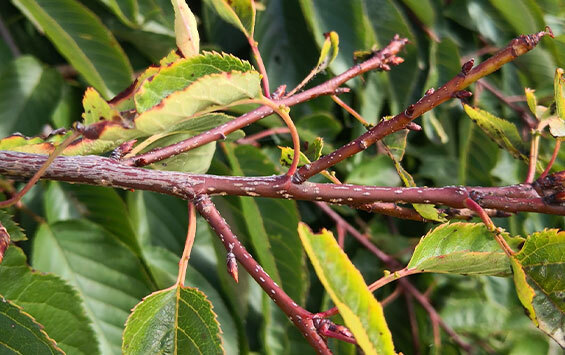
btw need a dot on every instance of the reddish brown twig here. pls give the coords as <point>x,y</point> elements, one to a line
<point>252,139</point>
<point>468,75</point>
<point>381,60</point>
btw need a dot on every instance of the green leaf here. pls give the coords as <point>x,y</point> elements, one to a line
<point>537,269</point>
<point>165,264</point>
<point>478,155</point>
<point>21,334</point>
<point>386,19</point>
<point>108,275</point>
<point>177,320</point>
<point>502,132</point>
<point>125,10</point>
<point>14,230</point>
<point>255,225</point>
<point>83,40</point>
<point>186,30</point>
<point>240,13</point>
<point>373,171</point>
<point>62,316</point>
<point>100,205</point>
<point>462,248</point>
<point>28,95</point>
<point>362,313</point>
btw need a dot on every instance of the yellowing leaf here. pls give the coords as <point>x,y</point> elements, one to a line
<point>329,52</point>
<point>538,276</point>
<point>531,99</point>
<point>502,132</point>
<point>362,313</point>
<point>186,30</point>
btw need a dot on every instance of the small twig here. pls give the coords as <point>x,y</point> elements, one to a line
<point>282,111</point>
<point>252,139</point>
<point>413,322</point>
<point>394,295</point>
<point>351,111</point>
<point>183,262</point>
<point>340,235</point>
<point>434,316</point>
<point>553,158</point>
<point>261,66</point>
<point>490,225</point>
<point>468,75</point>
<point>380,60</point>
<point>9,202</point>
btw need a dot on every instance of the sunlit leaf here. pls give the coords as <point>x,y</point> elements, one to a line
<point>538,270</point>
<point>362,313</point>
<point>176,320</point>
<point>532,100</point>
<point>50,301</point>
<point>462,248</point>
<point>329,52</point>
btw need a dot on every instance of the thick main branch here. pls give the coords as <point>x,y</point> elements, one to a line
<point>96,170</point>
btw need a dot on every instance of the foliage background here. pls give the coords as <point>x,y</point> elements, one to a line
<point>130,241</point>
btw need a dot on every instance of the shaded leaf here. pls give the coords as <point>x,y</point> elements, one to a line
<point>28,94</point>
<point>186,30</point>
<point>462,248</point>
<point>49,300</point>
<point>83,40</point>
<point>240,13</point>
<point>98,204</point>
<point>538,268</point>
<point>348,19</point>
<point>362,313</point>
<point>21,334</point>
<point>108,276</point>
<point>125,10</point>
<point>176,320</point>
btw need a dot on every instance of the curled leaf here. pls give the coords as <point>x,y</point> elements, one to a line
<point>329,51</point>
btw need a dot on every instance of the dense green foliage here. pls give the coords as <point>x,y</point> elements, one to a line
<point>105,250</point>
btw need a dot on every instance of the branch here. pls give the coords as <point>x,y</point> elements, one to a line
<point>298,315</point>
<point>514,49</point>
<point>542,196</point>
<point>382,60</point>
